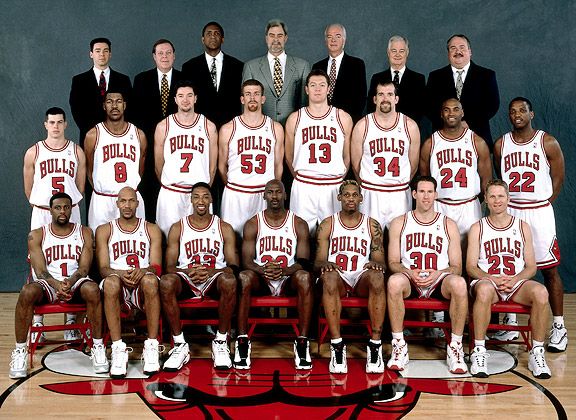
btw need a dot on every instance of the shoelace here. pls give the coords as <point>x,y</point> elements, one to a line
<point>17,354</point>
<point>539,358</point>
<point>126,350</point>
<point>458,354</point>
<point>481,358</point>
<point>397,351</point>
<point>177,349</point>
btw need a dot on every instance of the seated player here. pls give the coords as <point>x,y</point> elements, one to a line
<point>350,260</point>
<point>275,252</point>
<point>129,251</point>
<point>501,261</point>
<point>60,254</point>
<point>201,260</point>
<point>425,258</point>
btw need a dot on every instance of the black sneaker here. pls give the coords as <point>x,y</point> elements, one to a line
<point>302,358</point>
<point>242,353</point>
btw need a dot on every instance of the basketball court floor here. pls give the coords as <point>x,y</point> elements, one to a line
<point>62,385</point>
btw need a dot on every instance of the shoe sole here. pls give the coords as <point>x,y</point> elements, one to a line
<point>176,369</point>
<point>541,376</point>
<point>101,369</point>
<point>241,367</point>
<point>17,376</point>
<point>396,368</point>
<point>480,375</point>
<point>340,371</point>
<point>122,376</point>
<point>374,370</point>
<point>150,373</point>
<point>223,367</point>
<point>303,367</point>
<point>459,371</point>
<point>554,349</point>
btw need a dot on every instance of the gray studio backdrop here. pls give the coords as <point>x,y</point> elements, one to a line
<point>530,45</point>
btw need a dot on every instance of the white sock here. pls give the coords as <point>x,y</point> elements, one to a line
<point>376,341</point>
<point>21,345</point>
<point>398,336</point>
<point>98,341</point>
<point>537,343</point>
<point>70,317</point>
<point>335,340</point>
<point>456,338</point>
<point>152,341</point>
<point>221,336</point>
<point>511,317</point>
<point>38,318</point>
<point>480,343</point>
<point>179,339</point>
<point>558,320</point>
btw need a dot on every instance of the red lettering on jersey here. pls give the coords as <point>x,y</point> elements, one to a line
<point>424,240</point>
<point>385,144</point>
<point>119,151</point>
<point>62,252</point>
<point>57,166</point>
<point>348,244</point>
<point>254,143</point>
<point>202,246</point>
<point>129,246</point>
<point>454,156</point>
<point>317,132</point>
<point>183,141</point>
<point>515,159</point>
<point>499,246</point>
<point>275,243</point>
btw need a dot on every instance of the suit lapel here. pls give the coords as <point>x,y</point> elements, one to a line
<point>265,70</point>
<point>289,71</point>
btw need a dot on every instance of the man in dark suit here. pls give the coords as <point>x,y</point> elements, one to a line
<point>411,85</point>
<point>216,77</point>
<point>347,73</point>
<point>149,107</point>
<point>283,76</point>
<point>89,88</point>
<point>474,86</point>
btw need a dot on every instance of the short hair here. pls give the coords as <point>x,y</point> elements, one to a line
<point>201,185</point>
<point>383,82</point>
<point>54,111</point>
<point>100,41</point>
<point>162,41</point>
<point>397,38</point>
<point>220,28</point>
<point>59,195</point>
<point>276,22</point>
<point>423,178</point>
<point>251,82</point>
<point>318,72</point>
<point>521,99</point>
<point>458,36</point>
<point>451,99</point>
<point>339,25</point>
<point>497,183</point>
<point>120,92</point>
<point>347,182</point>
<point>184,83</point>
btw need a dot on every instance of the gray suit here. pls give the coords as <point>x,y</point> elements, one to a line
<point>293,95</point>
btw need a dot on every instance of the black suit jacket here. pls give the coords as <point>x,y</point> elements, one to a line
<point>411,93</point>
<point>480,98</point>
<point>350,89</point>
<point>86,102</point>
<point>218,106</point>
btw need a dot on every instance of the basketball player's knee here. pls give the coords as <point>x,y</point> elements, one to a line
<point>227,283</point>
<point>112,286</point>
<point>458,287</point>
<point>149,284</point>
<point>540,296</point>
<point>484,292</point>
<point>303,280</point>
<point>90,292</point>
<point>245,280</point>
<point>167,285</point>
<point>395,285</point>
<point>29,294</point>
<point>376,282</point>
<point>330,281</point>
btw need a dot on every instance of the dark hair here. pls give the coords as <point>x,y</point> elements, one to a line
<point>100,40</point>
<point>382,82</point>
<point>54,111</point>
<point>184,83</point>
<point>423,178</point>
<point>347,182</point>
<point>458,36</point>
<point>251,82</point>
<point>201,185</point>
<point>119,92</point>
<point>318,72</point>
<point>162,41</point>
<point>220,28</point>
<point>521,99</point>
<point>59,195</point>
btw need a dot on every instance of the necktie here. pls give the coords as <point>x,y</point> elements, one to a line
<point>213,73</point>
<point>459,84</point>
<point>102,85</point>
<point>332,79</point>
<point>164,93</point>
<point>396,77</point>
<point>278,82</point>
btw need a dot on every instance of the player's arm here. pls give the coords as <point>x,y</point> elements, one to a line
<point>213,144</point>
<point>414,148</point>
<point>473,254</point>
<point>498,157</point>
<point>143,147</point>
<point>81,170</point>
<point>249,246</point>
<point>454,249</point>
<point>28,171</point>
<point>556,159</point>
<point>155,249</point>
<point>37,259</point>
<point>321,263</point>
<point>348,125</point>
<point>230,251</point>
<point>530,267</point>
<point>159,139</point>
<point>289,141</point>
<point>173,249</point>
<point>302,248</point>
<point>102,236</point>
<point>377,256</point>
<point>394,252</point>
<point>223,147</point>
<point>85,261</point>
<point>89,149</point>
<point>425,152</point>
<point>484,162</point>
<point>356,146</point>
<point>278,150</point>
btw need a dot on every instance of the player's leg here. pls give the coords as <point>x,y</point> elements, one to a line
<point>398,288</point>
<point>485,295</point>
<point>454,289</point>
<point>113,296</point>
<point>90,293</point>
<point>558,335</point>
<point>148,294</point>
<point>226,286</point>
<point>371,284</point>
<point>332,291</point>
<point>249,282</point>
<point>301,282</point>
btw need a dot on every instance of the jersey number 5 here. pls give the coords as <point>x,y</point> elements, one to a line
<point>248,166</point>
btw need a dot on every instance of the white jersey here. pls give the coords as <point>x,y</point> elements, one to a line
<point>129,249</point>
<point>424,246</point>
<point>116,160</point>
<point>385,163</point>
<point>201,246</point>
<point>251,155</point>
<point>61,253</point>
<point>319,148</point>
<point>349,247</point>
<point>525,168</point>
<point>186,153</point>
<point>276,243</point>
<point>501,249</point>
<point>55,171</point>
<point>454,165</point>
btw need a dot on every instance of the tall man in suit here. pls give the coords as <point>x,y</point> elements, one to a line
<point>283,76</point>
<point>474,86</point>
<point>216,77</point>
<point>347,73</point>
<point>153,95</point>
<point>411,85</point>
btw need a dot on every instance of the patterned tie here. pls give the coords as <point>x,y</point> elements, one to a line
<point>213,73</point>
<point>332,79</point>
<point>164,93</point>
<point>278,82</point>
<point>459,84</point>
<point>102,85</point>
<point>396,80</point>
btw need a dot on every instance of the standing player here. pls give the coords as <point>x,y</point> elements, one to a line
<point>384,152</point>
<point>129,251</point>
<point>115,152</point>
<point>425,256</point>
<point>185,152</point>
<point>276,253</point>
<point>201,260</point>
<point>60,255</point>
<point>350,260</point>
<point>532,163</point>
<point>251,149</point>
<point>317,152</point>
<point>501,261</point>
